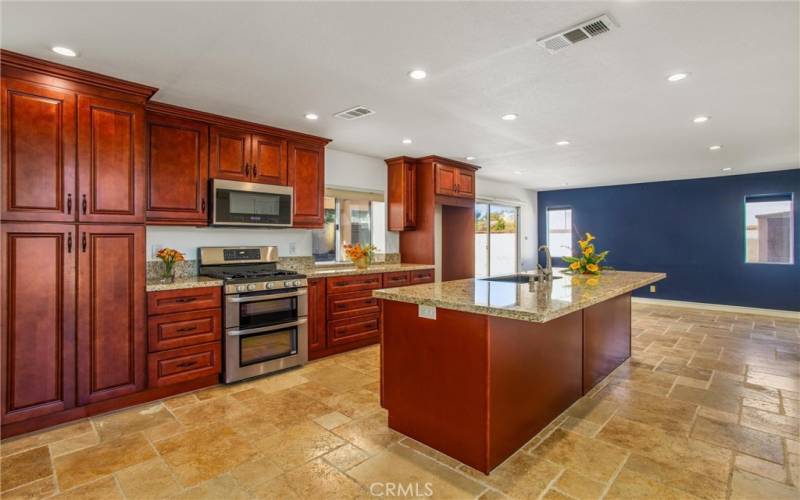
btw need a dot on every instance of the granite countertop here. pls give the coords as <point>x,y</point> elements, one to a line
<point>525,302</point>
<point>155,285</point>
<point>339,270</point>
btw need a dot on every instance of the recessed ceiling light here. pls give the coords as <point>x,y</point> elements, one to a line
<point>677,77</point>
<point>562,143</point>
<point>727,169</point>
<point>715,147</point>
<point>311,116</point>
<point>417,74</point>
<point>509,117</point>
<point>64,51</point>
<point>407,141</point>
<point>701,119</point>
<point>470,158</point>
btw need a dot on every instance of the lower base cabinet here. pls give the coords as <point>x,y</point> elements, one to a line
<point>184,364</point>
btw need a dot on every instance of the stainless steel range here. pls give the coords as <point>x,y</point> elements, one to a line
<point>265,310</point>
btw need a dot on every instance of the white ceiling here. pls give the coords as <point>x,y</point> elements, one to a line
<point>274,62</point>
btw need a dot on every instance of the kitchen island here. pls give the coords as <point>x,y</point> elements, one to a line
<point>491,363</point>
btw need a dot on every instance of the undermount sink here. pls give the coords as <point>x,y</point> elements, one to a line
<point>517,278</point>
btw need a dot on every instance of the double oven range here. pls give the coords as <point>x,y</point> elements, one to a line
<point>265,310</point>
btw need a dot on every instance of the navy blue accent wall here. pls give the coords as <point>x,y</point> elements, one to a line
<point>693,230</point>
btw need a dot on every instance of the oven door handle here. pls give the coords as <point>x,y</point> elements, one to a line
<point>265,297</point>
<point>235,333</point>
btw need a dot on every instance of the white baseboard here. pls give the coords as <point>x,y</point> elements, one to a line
<point>718,307</point>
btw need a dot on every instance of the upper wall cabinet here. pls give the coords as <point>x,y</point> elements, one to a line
<point>307,177</point>
<point>110,160</point>
<point>240,156</point>
<point>402,193</point>
<point>177,166</point>
<point>39,152</point>
<point>454,179</point>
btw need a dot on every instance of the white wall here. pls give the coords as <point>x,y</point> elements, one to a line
<point>526,200</point>
<point>341,170</point>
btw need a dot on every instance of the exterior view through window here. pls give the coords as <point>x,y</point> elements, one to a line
<point>496,239</point>
<point>349,221</point>
<point>559,231</point>
<point>769,224</point>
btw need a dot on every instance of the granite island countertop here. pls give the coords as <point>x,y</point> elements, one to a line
<point>526,302</point>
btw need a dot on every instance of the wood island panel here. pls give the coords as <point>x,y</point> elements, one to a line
<point>606,338</point>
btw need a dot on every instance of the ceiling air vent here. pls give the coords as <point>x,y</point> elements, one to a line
<point>583,31</point>
<point>354,113</point>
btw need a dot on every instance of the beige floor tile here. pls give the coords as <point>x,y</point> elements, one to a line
<point>592,458</point>
<point>164,431</point>
<point>106,458</point>
<point>41,488</point>
<point>338,378</point>
<point>671,415</point>
<point>74,444</point>
<point>251,474</point>
<point>764,468</point>
<point>579,486</point>
<point>770,406</point>
<point>203,453</point>
<point>707,398</point>
<point>314,391</point>
<point>401,465</point>
<point>101,489</point>
<point>735,437</point>
<point>220,409</point>
<point>332,419</point>
<point>279,382</point>
<point>781,425</point>
<point>747,486</point>
<point>278,488</point>
<point>521,476</point>
<point>677,477</point>
<point>317,479</point>
<point>629,485</point>
<point>222,487</point>
<point>182,400</point>
<point>114,425</point>
<point>355,404</point>
<point>345,457</point>
<point>286,408</point>
<point>585,428</point>
<point>371,433</point>
<point>298,444</point>
<point>148,480</point>
<point>47,436</point>
<point>594,410</point>
<point>774,381</point>
<point>430,452</point>
<point>25,467</point>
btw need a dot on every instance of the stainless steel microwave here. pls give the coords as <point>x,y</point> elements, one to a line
<point>237,203</point>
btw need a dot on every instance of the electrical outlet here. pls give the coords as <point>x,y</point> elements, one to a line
<point>292,248</point>
<point>154,249</point>
<point>652,289</point>
<point>428,312</point>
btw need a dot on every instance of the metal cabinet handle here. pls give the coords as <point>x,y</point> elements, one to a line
<point>255,170</point>
<point>267,296</point>
<point>187,329</point>
<point>247,170</point>
<point>69,243</point>
<point>69,203</point>
<point>186,364</point>
<point>83,204</point>
<point>83,243</point>
<point>236,333</point>
<point>185,299</point>
<point>203,205</point>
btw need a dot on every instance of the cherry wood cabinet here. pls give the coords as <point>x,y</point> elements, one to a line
<point>182,300</point>
<point>185,364</point>
<point>38,152</point>
<point>317,316</point>
<point>453,180</point>
<point>307,177</point>
<point>238,155</point>
<point>177,167</point>
<point>169,331</point>
<point>38,323</point>
<point>111,174</point>
<point>111,333</point>
<point>351,330</point>
<point>402,193</point>
<point>422,276</point>
<point>399,278</point>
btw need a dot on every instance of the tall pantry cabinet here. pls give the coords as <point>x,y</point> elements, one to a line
<point>73,239</point>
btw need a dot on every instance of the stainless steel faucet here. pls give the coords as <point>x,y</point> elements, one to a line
<point>545,274</point>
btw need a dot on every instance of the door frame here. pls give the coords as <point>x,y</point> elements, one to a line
<point>504,203</point>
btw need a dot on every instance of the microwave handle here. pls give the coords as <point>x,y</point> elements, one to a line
<point>282,326</point>
<point>262,298</point>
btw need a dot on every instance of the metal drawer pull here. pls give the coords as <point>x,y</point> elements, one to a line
<point>187,329</point>
<point>256,298</point>
<point>185,299</point>
<point>69,203</point>
<point>186,364</point>
<point>235,333</point>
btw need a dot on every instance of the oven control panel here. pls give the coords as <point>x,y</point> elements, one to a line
<point>262,286</point>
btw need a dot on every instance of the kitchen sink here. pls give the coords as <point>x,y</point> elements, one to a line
<point>517,278</point>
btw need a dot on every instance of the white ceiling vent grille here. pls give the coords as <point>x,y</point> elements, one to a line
<point>354,113</point>
<point>583,31</point>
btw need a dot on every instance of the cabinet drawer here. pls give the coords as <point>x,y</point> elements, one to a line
<point>355,283</point>
<point>344,331</point>
<point>189,299</point>
<point>400,278</point>
<point>168,331</point>
<point>422,276</point>
<point>187,363</point>
<point>347,305</point>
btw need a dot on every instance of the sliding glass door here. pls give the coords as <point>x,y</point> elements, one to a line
<point>496,239</point>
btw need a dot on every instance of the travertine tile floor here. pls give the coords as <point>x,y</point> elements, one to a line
<point>706,408</point>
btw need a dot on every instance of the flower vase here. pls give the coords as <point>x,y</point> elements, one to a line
<point>168,274</point>
<point>361,263</point>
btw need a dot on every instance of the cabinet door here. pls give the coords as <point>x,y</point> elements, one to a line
<point>111,312</point>
<point>316,314</point>
<point>177,164</point>
<point>38,320</point>
<point>39,152</point>
<point>446,179</point>
<point>466,183</point>
<point>402,195</point>
<point>110,160</point>
<point>269,160</point>
<point>230,154</point>
<point>307,177</point>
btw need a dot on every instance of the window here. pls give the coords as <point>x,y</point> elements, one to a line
<point>768,229</point>
<point>559,231</point>
<point>350,217</point>
<point>496,239</point>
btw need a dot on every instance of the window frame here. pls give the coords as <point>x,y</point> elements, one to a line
<point>547,227</point>
<point>339,257</point>
<point>752,198</point>
<point>518,251</point>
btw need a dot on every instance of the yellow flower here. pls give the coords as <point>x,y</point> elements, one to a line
<point>589,237</point>
<point>575,266</point>
<point>588,250</point>
<point>582,244</point>
<point>592,267</point>
<point>593,281</point>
